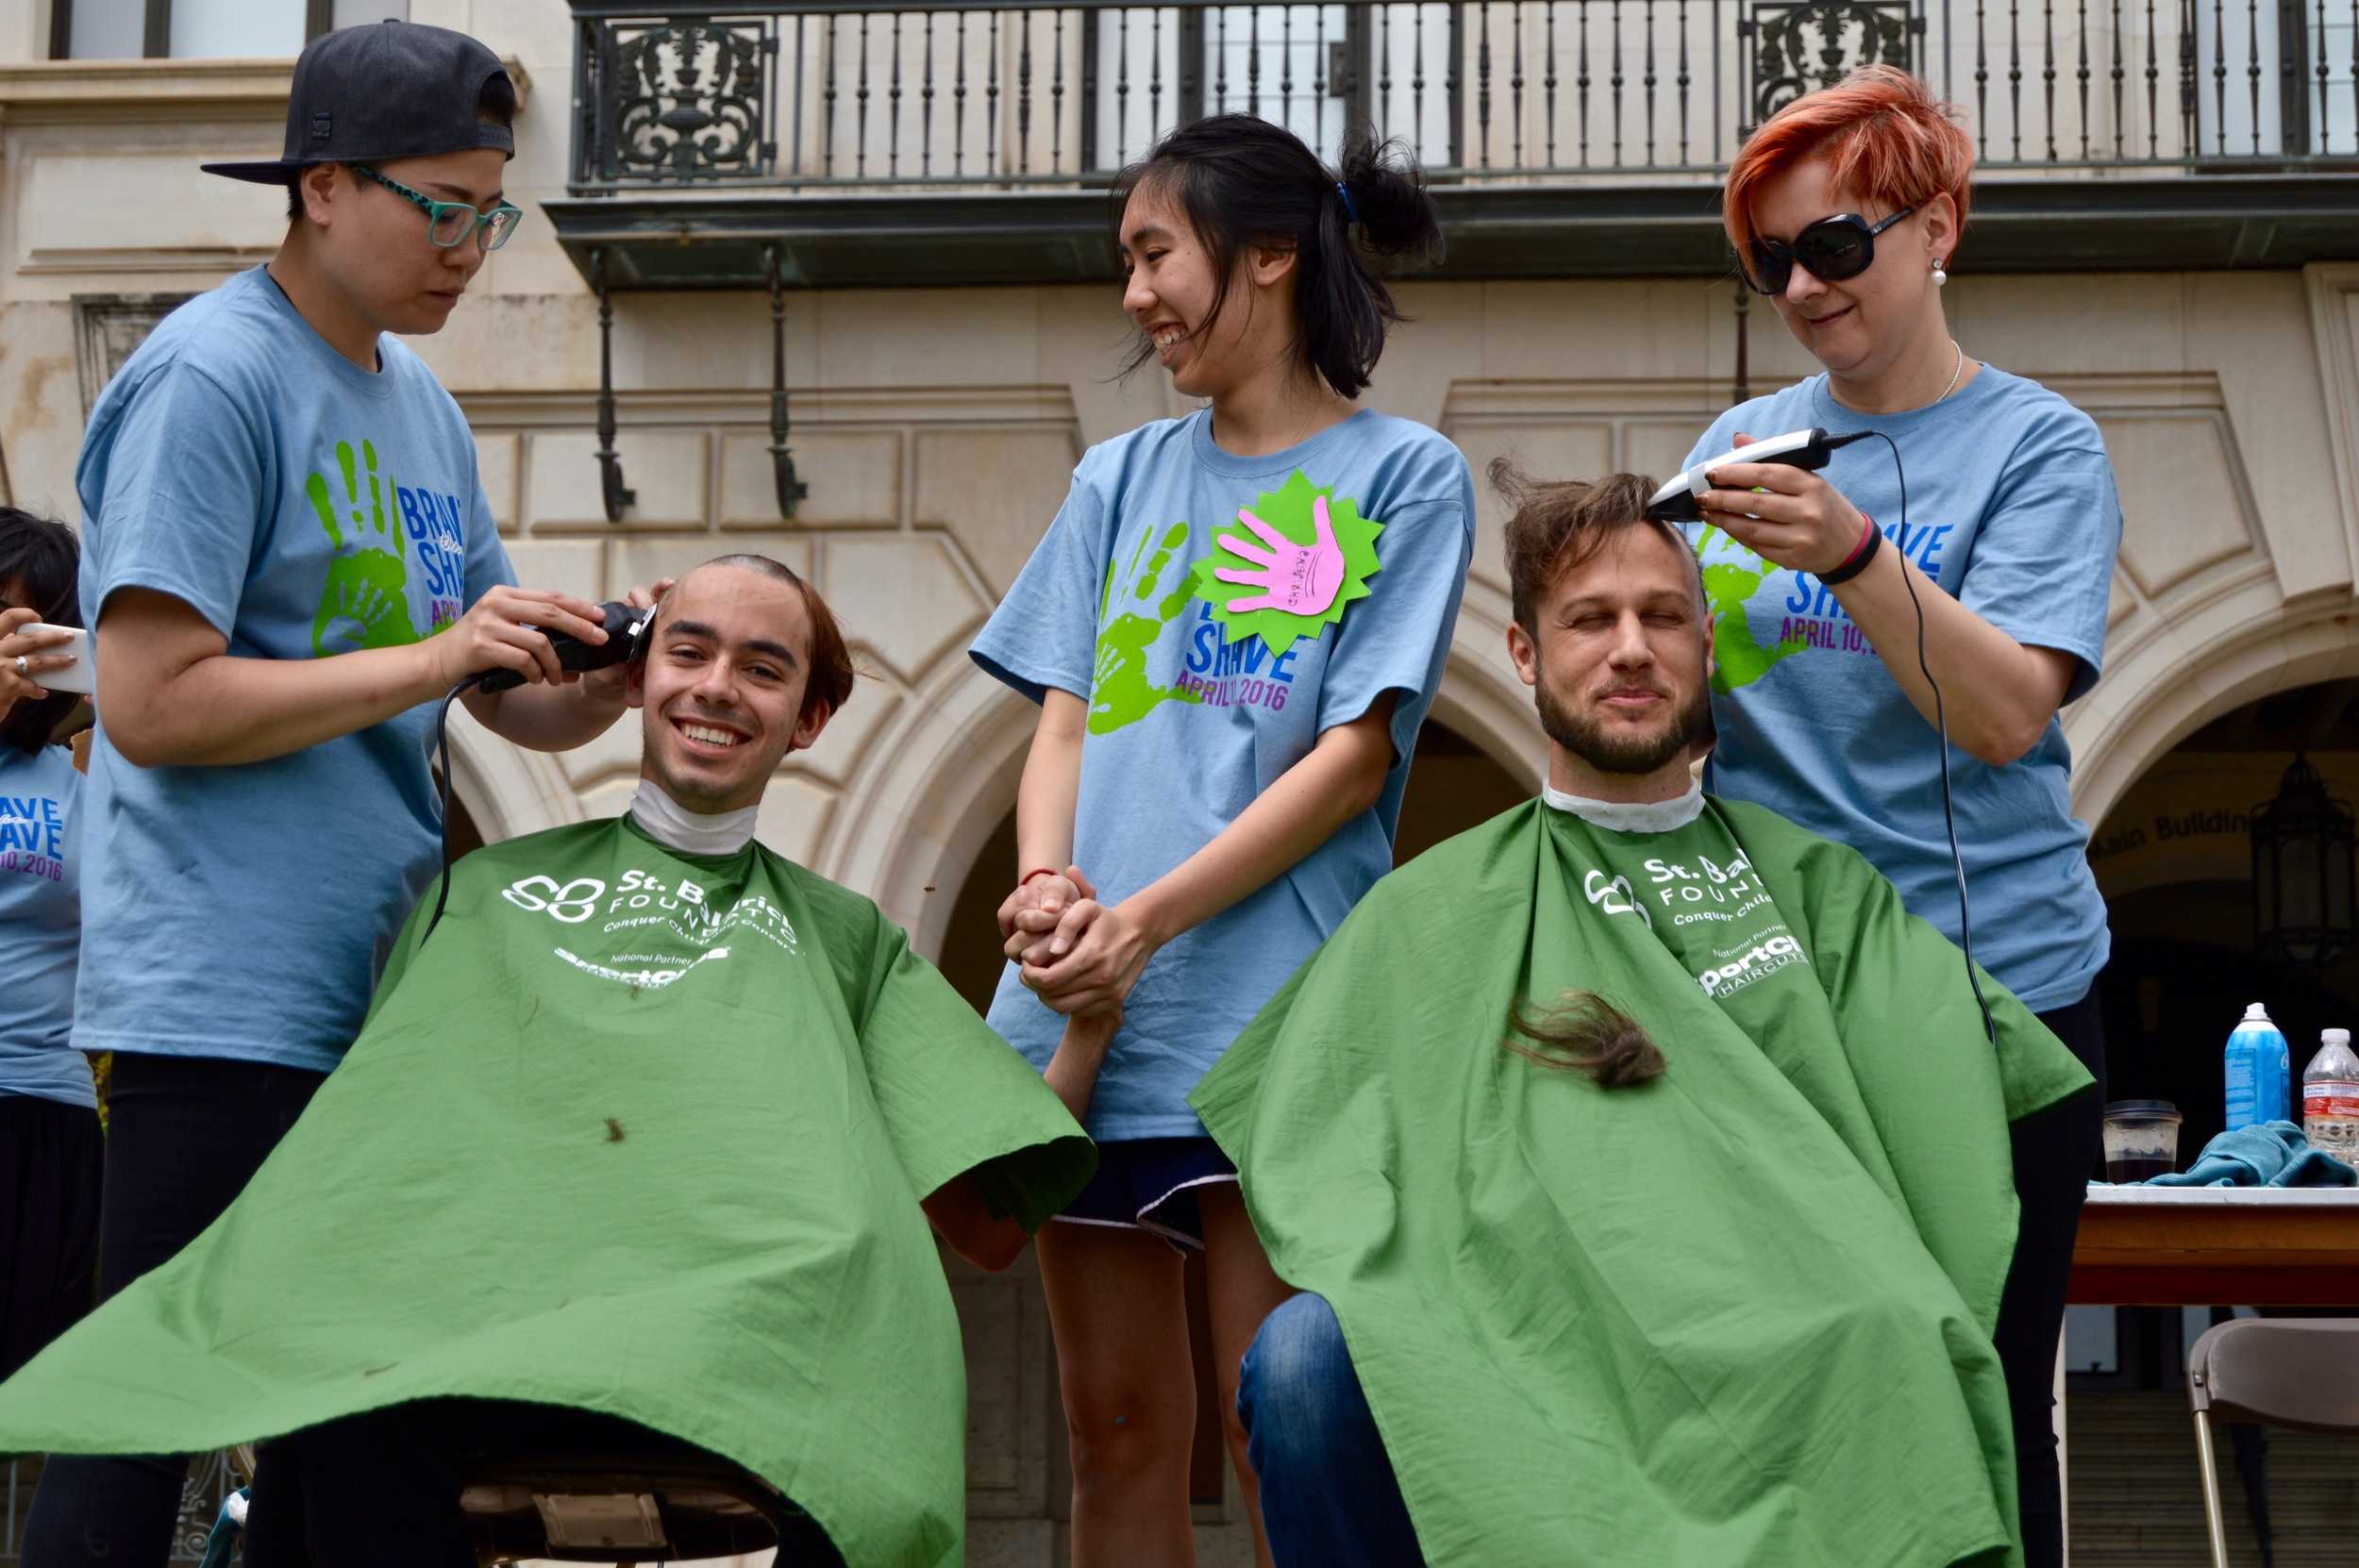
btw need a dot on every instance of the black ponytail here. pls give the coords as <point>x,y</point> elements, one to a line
<point>1245,182</point>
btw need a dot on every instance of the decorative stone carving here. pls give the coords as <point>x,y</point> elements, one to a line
<point>108,329</point>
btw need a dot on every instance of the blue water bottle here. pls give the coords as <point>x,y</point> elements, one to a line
<point>2260,1072</point>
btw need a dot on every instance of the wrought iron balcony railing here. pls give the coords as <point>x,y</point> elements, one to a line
<point>975,95</point>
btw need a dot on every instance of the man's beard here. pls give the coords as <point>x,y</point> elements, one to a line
<point>1624,753</point>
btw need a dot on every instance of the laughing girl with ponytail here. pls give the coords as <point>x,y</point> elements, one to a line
<point>1233,627</point>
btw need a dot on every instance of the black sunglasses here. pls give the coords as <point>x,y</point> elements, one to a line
<point>1834,249</point>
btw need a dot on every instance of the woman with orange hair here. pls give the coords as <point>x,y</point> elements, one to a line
<point>1846,208</point>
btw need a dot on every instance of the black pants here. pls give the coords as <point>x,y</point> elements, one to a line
<point>381,1489</point>
<point>2056,1153</point>
<point>49,1181</point>
<point>184,1136</point>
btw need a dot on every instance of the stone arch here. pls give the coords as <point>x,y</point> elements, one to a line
<point>508,790</point>
<point>1481,697</point>
<point>926,795</point>
<point>928,792</point>
<point>2190,669</point>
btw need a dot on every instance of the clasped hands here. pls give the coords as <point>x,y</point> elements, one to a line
<point>1788,516</point>
<point>1076,953</point>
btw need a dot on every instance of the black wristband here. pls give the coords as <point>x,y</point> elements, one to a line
<point>1858,563</point>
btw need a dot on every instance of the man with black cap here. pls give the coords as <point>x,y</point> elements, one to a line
<point>289,554</point>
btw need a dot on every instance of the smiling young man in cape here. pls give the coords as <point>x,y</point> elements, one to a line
<point>1642,1163</point>
<point>288,556</point>
<point>638,1133</point>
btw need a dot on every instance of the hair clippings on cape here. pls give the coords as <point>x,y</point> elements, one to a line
<point>1351,209</point>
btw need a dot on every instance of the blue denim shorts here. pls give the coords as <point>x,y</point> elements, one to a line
<point>1152,1184</point>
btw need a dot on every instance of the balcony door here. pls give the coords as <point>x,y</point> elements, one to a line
<point>1315,69</point>
<point>2252,81</point>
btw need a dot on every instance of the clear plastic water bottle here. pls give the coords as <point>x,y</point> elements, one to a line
<point>2260,1072</point>
<point>2330,1097</point>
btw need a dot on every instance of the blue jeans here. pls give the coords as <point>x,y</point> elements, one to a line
<point>1328,1496</point>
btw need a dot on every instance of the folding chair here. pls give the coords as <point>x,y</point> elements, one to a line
<point>2297,1372</point>
<point>668,1504</point>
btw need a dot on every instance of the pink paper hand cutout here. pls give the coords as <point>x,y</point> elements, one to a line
<point>1300,579</point>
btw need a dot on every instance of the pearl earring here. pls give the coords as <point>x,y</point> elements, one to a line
<point>1940,277</point>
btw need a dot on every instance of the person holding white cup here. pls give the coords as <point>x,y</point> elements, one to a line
<point>50,1143</point>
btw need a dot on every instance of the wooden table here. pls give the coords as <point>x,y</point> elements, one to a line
<point>2202,1246</point>
<point>2212,1246</point>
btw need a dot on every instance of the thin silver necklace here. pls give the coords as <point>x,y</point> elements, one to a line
<point>1955,371</point>
<point>1826,387</point>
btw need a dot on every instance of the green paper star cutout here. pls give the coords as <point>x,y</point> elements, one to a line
<point>1288,510</point>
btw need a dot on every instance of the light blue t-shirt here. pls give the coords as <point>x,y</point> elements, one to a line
<point>2012,510</point>
<point>305,508</point>
<point>1186,728</point>
<point>40,925</point>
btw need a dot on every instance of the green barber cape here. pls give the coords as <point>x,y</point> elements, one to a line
<point>1739,1315</point>
<point>634,1132</point>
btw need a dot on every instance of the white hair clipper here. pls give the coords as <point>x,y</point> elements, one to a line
<point>1676,502</point>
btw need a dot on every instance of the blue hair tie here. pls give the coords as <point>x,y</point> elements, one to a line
<point>1351,210</point>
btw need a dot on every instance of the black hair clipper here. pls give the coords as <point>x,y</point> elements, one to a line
<point>626,627</point>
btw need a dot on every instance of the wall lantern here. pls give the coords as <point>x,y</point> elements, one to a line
<point>2302,894</point>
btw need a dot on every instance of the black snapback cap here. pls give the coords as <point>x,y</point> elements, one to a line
<point>379,91</point>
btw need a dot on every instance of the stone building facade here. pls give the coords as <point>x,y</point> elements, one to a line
<point>935,420</point>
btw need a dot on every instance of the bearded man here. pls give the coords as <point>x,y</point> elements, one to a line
<point>1641,1162</point>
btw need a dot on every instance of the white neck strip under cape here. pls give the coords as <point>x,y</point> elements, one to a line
<point>1654,816</point>
<point>675,826</point>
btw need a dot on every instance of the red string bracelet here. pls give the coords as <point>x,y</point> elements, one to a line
<point>1045,871</point>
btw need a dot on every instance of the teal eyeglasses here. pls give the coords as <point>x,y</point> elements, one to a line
<point>448,224</point>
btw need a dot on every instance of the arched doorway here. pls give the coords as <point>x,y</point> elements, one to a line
<point>460,831</point>
<point>2173,859</point>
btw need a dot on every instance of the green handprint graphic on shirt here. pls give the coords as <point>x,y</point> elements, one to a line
<point>1121,690</point>
<point>365,601</point>
<point>1737,659</point>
